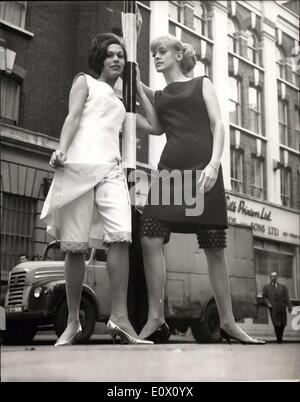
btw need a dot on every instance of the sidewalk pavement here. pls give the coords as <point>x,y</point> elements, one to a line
<point>176,361</point>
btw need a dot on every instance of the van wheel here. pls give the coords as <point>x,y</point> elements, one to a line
<point>87,315</point>
<point>209,329</point>
<point>19,333</point>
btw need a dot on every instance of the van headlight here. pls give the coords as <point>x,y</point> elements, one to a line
<point>37,292</point>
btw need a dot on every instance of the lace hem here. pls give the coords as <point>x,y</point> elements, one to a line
<point>117,237</point>
<point>74,246</point>
<point>154,228</point>
<point>212,238</point>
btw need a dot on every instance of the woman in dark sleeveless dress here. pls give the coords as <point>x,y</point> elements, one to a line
<point>190,116</point>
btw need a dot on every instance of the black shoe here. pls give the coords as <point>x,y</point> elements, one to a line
<point>227,337</point>
<point>161,335</point>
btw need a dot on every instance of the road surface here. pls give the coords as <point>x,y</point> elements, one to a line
<point>181,360</point>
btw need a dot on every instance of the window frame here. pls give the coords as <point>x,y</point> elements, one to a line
<point>237,183</point>
<point>257,162</point>
<point>238,103</point>
<point>283,125</point>
<point>267,255</point>
<point>286,180</point>
<point>257,113</point>
<point>281,67</point>
<point>295,75</point>
<point>253,49</point>
<point>180,13</point>
<point>233,38</point>
<point>18,82</point>
<point>202,19</point>
<point>206,69</point>
<point>24,6</point>
<point>297,126</point>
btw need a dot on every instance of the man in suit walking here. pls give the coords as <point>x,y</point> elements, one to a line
<point>277,300</point>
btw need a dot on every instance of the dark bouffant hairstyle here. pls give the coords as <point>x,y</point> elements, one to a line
<point>98,50</point>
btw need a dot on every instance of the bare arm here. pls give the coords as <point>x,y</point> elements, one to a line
<point>77,98</point>
<point>143,126</point>
<point>210,173</point>
<point>149,93</point>
<point>150,124</point>
<point>217,127</point>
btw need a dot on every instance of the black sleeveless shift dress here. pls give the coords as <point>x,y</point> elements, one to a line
<point>183,115</point>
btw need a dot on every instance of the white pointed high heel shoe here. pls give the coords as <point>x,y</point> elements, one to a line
<point>71,341</point>
<point>115,331</point>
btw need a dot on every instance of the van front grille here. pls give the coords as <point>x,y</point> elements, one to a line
<point>16,288</point>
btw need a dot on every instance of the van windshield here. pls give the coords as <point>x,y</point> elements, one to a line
<point>54,253</point>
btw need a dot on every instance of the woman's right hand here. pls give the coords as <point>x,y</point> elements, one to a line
<point>57,159</point>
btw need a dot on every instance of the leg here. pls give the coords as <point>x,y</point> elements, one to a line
<point>118,271</point>
<point>113,205</point>
<point>279,333</point>
<point>155,274</point>
<point>282,331</point>
<point>74,274</point>
<point>219,278</point>
<point>75,219</point>
<point>276,327</point>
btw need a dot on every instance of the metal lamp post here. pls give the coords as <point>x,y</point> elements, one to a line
<point>137,292</point>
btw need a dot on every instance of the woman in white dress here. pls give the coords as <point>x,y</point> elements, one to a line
<point>89,193</point>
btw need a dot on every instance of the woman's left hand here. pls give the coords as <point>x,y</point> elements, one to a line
<point>208,177</point>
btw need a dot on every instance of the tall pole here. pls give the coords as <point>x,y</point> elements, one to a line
<point>129,85</point>
<point>137,293</point>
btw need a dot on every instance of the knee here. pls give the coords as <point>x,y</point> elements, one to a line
<point>152,245</point>
<point>118,245</point>
<point>118,249</point>
<point>75,255</point>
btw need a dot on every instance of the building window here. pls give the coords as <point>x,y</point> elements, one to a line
<point>280,62</point>
<point>236,170</point>
<point>200,69</point>
<point>252,47</point>
<point>295,73</point>
<point>14,12</point>
<point>297,127</point>
<point>280,262</point>
<point>234,101</point>
<point>10,99</point>
<point>233,43</point>
<point>283,122</point>
<point>176,11</point>
<point>257,178</point>
<point>200,24</point>
<point>17,217</point>
<point>255,110</point>
<point>285,185</point>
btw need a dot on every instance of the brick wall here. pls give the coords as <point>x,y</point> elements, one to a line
<point>58,51</point>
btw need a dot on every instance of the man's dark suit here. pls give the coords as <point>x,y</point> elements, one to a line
<point>279,299</point>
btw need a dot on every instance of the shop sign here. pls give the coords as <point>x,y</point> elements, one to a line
<point>266,220</point>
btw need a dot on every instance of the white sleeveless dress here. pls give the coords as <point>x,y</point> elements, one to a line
<point>93,153</point>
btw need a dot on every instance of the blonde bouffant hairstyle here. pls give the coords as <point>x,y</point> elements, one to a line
<point>189,59</point>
